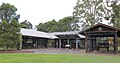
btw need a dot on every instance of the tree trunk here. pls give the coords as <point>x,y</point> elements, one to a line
<point>6,48</point>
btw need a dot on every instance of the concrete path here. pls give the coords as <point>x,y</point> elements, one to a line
<point>56,51</point>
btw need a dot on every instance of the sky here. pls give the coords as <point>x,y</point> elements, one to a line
<point>41,11</point>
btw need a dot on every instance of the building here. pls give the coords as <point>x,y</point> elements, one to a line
<point>91,39</point>
<point>37,39</point>
<point>98,36</point>
<point>34,39</point>
<point>71,39</point>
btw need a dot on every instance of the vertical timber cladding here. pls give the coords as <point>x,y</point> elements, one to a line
<point>101,30</point>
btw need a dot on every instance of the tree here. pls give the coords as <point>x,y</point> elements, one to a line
<point>68,24</point>
<point>64,24</point>
<point>50,26</point>
<point>26,24</point>
<point>9,26</point>
<point>113,11</point>
<point>89,12</point>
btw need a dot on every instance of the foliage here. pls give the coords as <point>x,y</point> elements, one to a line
<point>68,24</point>
<point>9,26</point>
<point>89,12</point>
<point>113,8</point>
<point>49,26</point>
<point>26,24</point>
<point>58,58</point>
<point>65,24</point>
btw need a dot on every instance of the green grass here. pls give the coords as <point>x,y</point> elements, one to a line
<point>58,58</point>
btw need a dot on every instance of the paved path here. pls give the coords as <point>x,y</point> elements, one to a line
<point>59,51</point>
<point>56,51</point>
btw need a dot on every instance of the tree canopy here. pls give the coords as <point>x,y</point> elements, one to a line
<point>113,9</point>
<point>9,26</point>
<point>65,24</point>
<point>49,26</point>
<point>90,11</point>
<point>26,24</point>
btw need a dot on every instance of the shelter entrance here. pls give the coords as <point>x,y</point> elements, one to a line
<point>103,42</point>
<point>101,36</point>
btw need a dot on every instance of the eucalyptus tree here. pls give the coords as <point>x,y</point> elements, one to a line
<point>113,12</point>
<point>89,12</point>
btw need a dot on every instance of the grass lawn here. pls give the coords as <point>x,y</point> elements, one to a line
<point>58,58</point>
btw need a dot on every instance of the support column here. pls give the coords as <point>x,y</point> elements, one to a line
<point>76,43</point>
<point>93,44</point>
<point>36,43</point>
<point>86,45</point>
<point>45,43</point>
<point>115,43</point>
<point>21,43</point>
<point>68,42</point>
<point>60,43</point>
<point>55,43</point>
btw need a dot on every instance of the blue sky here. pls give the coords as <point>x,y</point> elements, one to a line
<point>37,11</point>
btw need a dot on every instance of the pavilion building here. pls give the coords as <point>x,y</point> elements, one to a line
<point>97,37</point>
<point>33,39</point>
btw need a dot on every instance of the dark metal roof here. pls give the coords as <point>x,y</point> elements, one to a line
<point>101,25</point>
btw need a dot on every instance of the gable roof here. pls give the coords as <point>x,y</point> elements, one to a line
<point>34,33</point>
<point>103,25</point>
<point>54,35</point>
